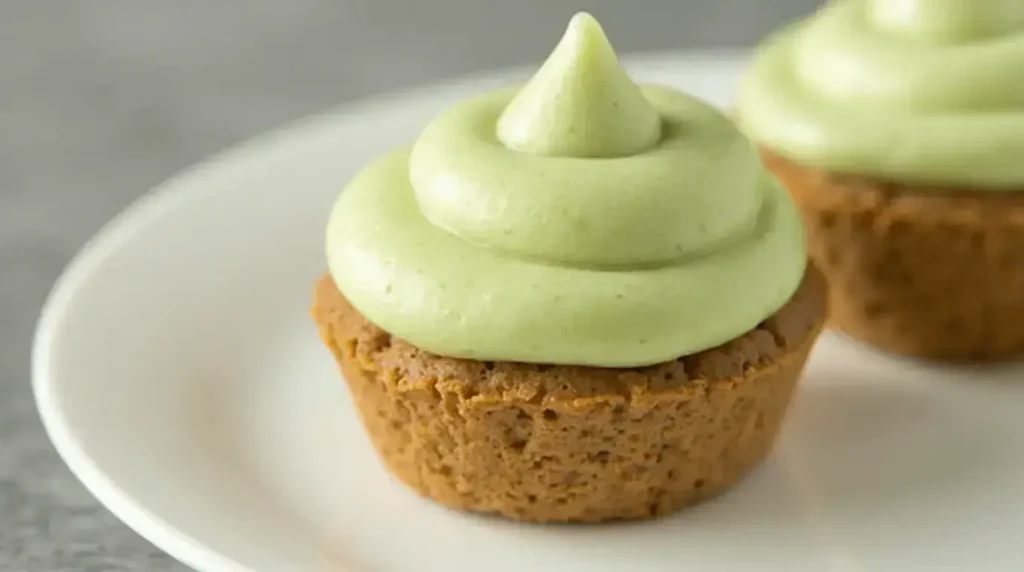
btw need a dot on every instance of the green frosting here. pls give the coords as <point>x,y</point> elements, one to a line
<point>917,91</point>
<point>578,219</point>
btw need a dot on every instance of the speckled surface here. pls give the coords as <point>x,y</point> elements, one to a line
<point>101,100</point>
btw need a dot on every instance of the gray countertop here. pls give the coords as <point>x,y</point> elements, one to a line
<point>101,100</point>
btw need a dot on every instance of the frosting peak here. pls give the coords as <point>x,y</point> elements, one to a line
<point>580,103</point>
<point>946,20</point>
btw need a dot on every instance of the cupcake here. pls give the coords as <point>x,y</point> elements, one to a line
<point>897,126</point>
<point>572,300</point>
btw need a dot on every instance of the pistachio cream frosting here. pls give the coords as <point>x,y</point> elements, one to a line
<point>916,91</point>
<point>577,219</point>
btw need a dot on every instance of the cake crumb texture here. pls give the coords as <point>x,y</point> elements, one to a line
<point>553,443</point>
<point>928,273</point>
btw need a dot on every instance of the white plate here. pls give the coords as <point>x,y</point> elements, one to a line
<point>180,377</point>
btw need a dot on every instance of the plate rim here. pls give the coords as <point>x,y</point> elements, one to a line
<point>176,189</point>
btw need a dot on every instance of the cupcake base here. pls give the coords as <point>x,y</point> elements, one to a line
<point>936,274</point>
<point>572,444</point>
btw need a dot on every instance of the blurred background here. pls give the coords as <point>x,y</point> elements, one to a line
<point>100,100</point>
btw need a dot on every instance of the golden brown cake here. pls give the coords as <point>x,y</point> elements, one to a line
<point>931,273</point>
<point>572,444</point>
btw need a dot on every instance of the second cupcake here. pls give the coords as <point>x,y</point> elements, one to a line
<point>898,126</point>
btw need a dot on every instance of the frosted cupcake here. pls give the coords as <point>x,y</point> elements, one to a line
<point>898,126</point>
<point>577,299</point>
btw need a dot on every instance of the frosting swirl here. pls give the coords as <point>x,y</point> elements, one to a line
<point>578,219</point>
<point>917,91</point>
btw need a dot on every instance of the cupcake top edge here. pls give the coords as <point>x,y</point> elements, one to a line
<point>914,91</point>
<point>579,218</point>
